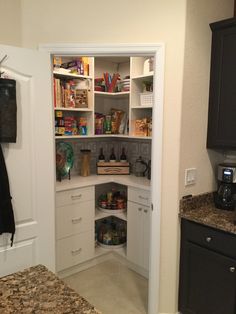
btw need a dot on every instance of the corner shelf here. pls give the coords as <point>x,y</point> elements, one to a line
<point>106,94</point>
<point>99,215</point>
<point>143,76</point>
<point>72,109</point>
<point>72,75</point>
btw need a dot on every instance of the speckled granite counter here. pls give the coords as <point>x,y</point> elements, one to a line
<point>201,209</point>
<point>37,290</point>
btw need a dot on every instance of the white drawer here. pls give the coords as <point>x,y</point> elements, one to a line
<point>74,196</point>
<point>74,219</point>
<point>74,250</point>
<point>139,196</point>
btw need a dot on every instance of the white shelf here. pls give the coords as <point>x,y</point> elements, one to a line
<point>58,137</point>
<point>106,94</point>
<point>78,181</point>
<point>99,251</point>
<point>71,75</point>
<point>99,215</point>
<point>141,107</point>
<point>143,76</point>
<point>73,109</point>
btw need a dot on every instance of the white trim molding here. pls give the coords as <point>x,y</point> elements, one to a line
<point>158,51</point>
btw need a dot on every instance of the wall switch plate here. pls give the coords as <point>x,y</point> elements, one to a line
<point>190,176</point>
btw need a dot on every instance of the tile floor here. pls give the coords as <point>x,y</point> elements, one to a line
<point>112,288</point>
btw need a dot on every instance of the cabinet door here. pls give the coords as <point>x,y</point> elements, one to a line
<point>135,233</point>
<point>207,281</point>
<point>146,236</point>
<point>222,98</point>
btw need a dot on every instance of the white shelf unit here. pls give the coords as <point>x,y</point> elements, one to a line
<point>140,74</point>
<point>83,82</point>
<point>103,102</point>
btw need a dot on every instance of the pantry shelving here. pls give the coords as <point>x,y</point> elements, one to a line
<point>137,75</point>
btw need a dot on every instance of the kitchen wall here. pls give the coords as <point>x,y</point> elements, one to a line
<point>10,22</point>
<point>193,153</point>
<point>186,83</point>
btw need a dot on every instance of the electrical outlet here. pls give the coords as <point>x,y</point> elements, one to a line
<point>190,176</point>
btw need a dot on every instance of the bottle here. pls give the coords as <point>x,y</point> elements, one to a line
<point>101,157</point>
<point>112,156</point>
<point>123,157</point>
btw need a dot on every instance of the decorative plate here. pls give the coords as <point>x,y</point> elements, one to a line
<point>64,158</point>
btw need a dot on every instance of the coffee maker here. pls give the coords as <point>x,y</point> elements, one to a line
<point>225,197</point>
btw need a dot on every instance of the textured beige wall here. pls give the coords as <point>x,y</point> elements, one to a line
<point>10,22</point>
<point>134,21</point>
<point>196,91</point>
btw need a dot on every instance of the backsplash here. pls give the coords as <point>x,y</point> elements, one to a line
<point>133,149</point>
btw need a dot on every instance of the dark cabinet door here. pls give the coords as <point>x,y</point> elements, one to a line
<point>222,96</point>
<point>207,281</point>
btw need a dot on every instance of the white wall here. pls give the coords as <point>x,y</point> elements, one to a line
<point>10,22</point>
<point>196,91</point>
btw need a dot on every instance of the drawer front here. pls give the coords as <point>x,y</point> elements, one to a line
<point>139,196</point>
<point>74,219</point>
<point>75,250</point>
<point>74,196</point>
<point>219,241</point>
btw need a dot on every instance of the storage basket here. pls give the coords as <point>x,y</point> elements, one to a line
<point>146,99</point>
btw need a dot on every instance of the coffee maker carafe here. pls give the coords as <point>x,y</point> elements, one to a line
<point>225,197</point>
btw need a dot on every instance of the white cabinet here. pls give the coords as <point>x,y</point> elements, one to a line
<point>74,226</point>
<point>138,227</point>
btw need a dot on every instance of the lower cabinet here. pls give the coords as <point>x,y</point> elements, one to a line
<point>138,232</point>
<point>207,282</point>
<point>74,227</point>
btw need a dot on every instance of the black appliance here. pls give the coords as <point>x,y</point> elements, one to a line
<point>225,197</point>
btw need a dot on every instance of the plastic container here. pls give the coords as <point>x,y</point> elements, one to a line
<point>146,99</point>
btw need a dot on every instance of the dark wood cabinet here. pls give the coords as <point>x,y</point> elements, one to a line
<point>222,96</point>
<point>207,282</point>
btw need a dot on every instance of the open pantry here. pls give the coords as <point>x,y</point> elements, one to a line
<point>103,120</point>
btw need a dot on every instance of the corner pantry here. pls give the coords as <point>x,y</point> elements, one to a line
<point>102,106</point>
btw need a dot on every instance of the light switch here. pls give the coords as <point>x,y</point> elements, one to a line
<point>190,176</point>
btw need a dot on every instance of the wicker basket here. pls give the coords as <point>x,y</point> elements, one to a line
<point>146,99</point>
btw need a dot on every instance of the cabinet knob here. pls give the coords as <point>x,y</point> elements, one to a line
<point>208,239</point>
<point>145,210</point>
<point>76,220</point>
<point>140,208</point>
<point>75,252</point>
<point>143,198</point>
<point>75,197</point>
<point>232,269</point>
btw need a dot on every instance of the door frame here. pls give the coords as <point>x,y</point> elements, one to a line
<point>158,51</point>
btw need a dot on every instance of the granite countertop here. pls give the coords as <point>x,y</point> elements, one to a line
<point>37,290</point>
<point>201,209</point>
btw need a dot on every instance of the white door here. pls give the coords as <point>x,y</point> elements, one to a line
<point>30,163</point>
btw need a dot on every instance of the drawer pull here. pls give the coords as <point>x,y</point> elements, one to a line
<point>232,269</point>
<point>143,198</point>
<point>145,210</point>
<point>140,209</point>
<point>76,197</point>
<point>208,239</point>
<point>76,220</point>
<point>75,252</point>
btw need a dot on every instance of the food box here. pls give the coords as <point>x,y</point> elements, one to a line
<point>113,168</point>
